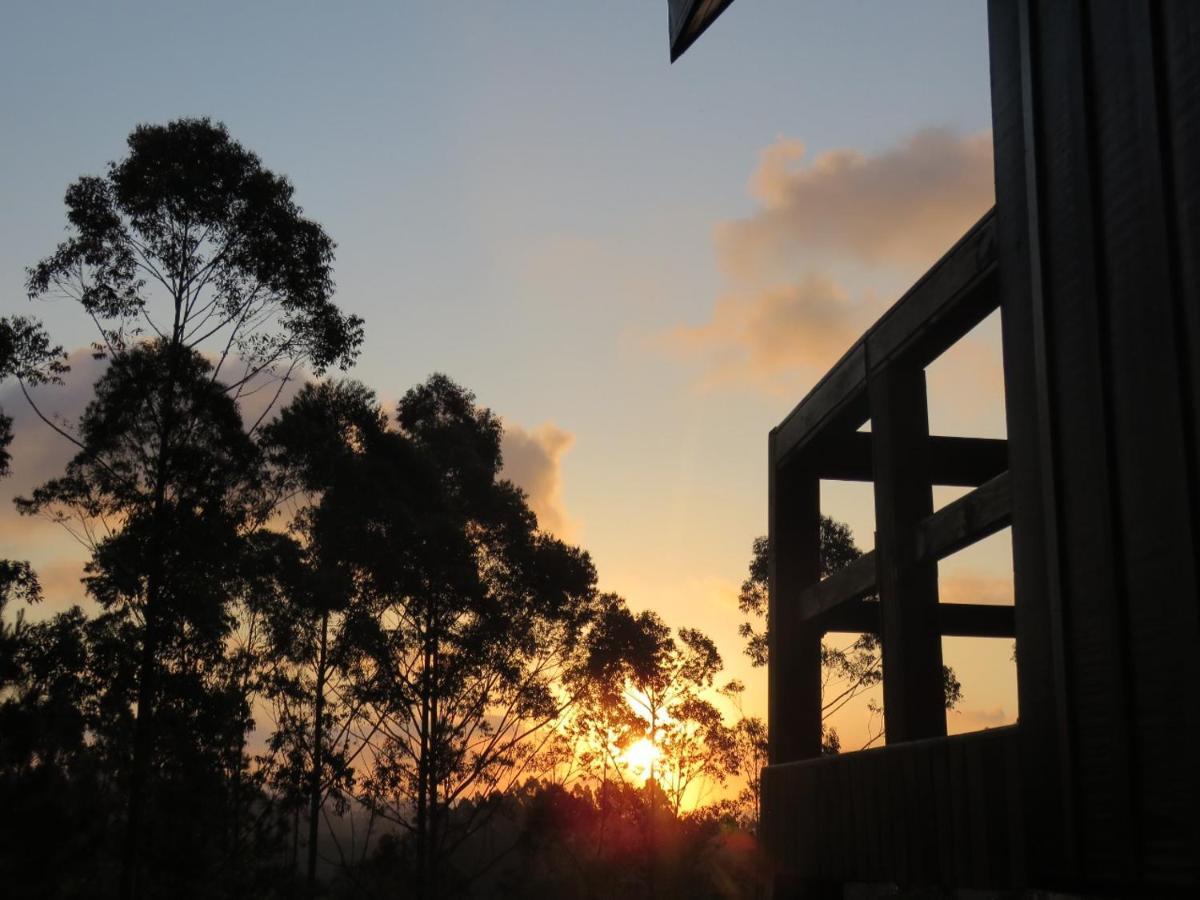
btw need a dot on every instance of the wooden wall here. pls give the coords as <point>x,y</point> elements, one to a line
<point>943,812</point>
<point>1096,110</point>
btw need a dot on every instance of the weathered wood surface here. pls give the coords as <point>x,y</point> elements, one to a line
<point>955,461</point>
<point>846,585</point>
<point>907,585</point>
<point>954,619</point>
<point>794,645</point>
<point>970,518</point>
<point>945,811</point>
<point>1096,111</point>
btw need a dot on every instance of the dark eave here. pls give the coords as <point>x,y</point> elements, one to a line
<point>688,19</point>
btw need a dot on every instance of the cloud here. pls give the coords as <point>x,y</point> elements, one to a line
<point>964,719</point>
<point>773,334</point>
<point>533,462</point>
<point>905,205</point>
<point>39,453</point>
<point>786,316</point>
<point>972,588</point>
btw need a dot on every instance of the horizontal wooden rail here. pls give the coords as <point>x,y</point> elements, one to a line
<point>977,620</point>
<point>845,585</point>
<point>957,293</point>
<point>954,619</point>
<point>983,512</point>
<point>970,518</point>
<point>958,461</point>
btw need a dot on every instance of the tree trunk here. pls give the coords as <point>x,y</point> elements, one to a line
<point>142,748</point>
<point>143,737</point>
<point>423,788</point>
<point>314,777</point>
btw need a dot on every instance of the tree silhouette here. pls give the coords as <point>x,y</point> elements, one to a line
<point>315,446</point>
<point>168,557</point>
<point>188,240</point>
<point>477,628</point>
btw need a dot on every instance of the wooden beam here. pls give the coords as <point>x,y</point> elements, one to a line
<point>957,293</point>
<point>844,586</point>
<point>838,402</point>
<point>954,619</point>
<point>860,617</point>
<point>957,461</point>
<point>954,296</point>
<point>794,645</point>
<point>913,693</point>
<point>970,518</point>
<point>976,620</point>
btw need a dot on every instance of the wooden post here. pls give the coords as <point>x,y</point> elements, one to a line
<point>794,648</point>
<point>913,693</point>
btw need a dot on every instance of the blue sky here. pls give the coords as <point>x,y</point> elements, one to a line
<point>527,196</point>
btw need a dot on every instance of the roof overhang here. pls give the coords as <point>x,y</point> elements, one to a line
<point>688,19</point>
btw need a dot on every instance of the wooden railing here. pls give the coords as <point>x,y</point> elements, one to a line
<point>943,811</point>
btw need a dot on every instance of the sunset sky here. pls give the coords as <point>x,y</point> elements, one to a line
<point>640,267</point>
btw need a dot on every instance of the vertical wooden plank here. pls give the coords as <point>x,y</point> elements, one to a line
<point>943,803</point>
<point>962,820</point>
<point>916,831</point>
<point>925,806</point>
<point>977,811</point>
<point>1019,867</point>
<point>1179,31</point>
<point>849,840</point>
<point>996,788</point>
<point>868,774</point>
<point>863,852</point>
<point>794,672</point>
<point>912,647</point>
<point>1041,681</point>
<point>1149,423</point>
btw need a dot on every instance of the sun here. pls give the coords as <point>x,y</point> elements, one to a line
<point>641,755</point>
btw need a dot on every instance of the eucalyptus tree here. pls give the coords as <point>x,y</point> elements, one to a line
<point>685,726</point>
<point>191,243</point>
<point>485,627</point>
<point>167,557</point>
<point>317,654</point>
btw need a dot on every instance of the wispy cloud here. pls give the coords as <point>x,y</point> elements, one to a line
<point>770,336</point>
<point>785,314</point>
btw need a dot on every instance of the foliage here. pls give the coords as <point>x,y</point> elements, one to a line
<point>191,240</point>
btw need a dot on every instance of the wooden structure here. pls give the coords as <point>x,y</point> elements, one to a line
<point>1092,254</point>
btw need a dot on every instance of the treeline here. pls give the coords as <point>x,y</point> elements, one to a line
<point>330,652</point>
<point>324,615</point>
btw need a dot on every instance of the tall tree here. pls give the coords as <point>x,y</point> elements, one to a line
<point>316,445</point>
<point>168,557</point>
<point>189,240</point>
<point>484,625</point>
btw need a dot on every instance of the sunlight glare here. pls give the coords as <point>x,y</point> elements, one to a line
<point>641,755</point>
